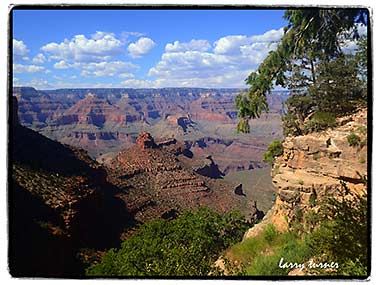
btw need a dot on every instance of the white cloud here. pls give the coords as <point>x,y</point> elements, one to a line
<point>136,83</point>
<point>19,48</point>
<point>101,46</point>
<point>193,45</point>
<point>20,51</point>
<point>39,83</point>
<point>141,47</point>
<point>189,64</point>
<point>126,75</point>
<point>21,68</point>
<point>107,69</point>
<point>39,59</point>
<point>269,36</point>
<point>228,64</point>
<point>62,65</point>
<point>101,69</point>
<point>234,44</point>
<point>230,44</point>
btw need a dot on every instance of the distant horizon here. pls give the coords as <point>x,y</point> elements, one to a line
<point>158,88</point>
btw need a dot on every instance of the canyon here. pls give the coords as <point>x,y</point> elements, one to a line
<point>105,121</point>
<point>66,209</point>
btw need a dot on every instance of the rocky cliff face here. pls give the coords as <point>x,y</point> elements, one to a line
<point>314,165</point>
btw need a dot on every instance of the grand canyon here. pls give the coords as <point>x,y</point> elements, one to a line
<point>192,142</point>
<point>203,121</point>
<point>127,156</point>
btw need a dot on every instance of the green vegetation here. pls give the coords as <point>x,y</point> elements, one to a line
<point>337,232</point>
<point>313,199</point>
<point>275,149</point>
<point>186,246</point>
<point>309,61</point>
<point>320,121</point>
<point>342,236</point>
<point>261,255</point>
<point>353,139</point>
<point>362,130</point>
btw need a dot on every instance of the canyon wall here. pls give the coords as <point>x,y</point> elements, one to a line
<point>314,166</point>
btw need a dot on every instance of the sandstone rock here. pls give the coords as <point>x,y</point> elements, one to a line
<point>145,140</point>
<point>148,170</point>
<point>313,166</point>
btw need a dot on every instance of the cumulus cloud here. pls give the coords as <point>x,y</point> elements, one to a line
<point>230,44</point>
<point>234,44</point>
<point>106,69</point>
<point>100,46</point>
<point>189,64</point>
<point>141,47</point>
<point>137,83</point>
<point>228,64</point>
<point>100,69</point>
<point>193,45</point>
<point>37,83</point>
<point>20,51</point>
<point>19,48</point>
<point>21,68</point>
<point>62,65</point>
<point>126,75</point>
<point>39,59</point>
<point>269,36</point>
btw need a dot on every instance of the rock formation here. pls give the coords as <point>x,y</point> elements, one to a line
<point>208,168</point>
<point>313,166</point>
<point>155,182</point>
<point>145,140</point>
<point>182,122</point>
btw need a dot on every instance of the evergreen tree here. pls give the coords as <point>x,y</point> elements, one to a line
<point>312,37</point>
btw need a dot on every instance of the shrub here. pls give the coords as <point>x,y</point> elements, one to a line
<point>313,199</point>
<point>353,139</point>
<point>342,234</point>
<point>274,149</point>
<point>270,233</point>
<point>290,125</point>
<point>319,122</point>
<point>186,246</point>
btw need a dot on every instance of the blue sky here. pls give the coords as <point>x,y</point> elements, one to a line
<point>141,48</point>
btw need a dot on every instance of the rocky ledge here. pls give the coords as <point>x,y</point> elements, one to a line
<point>314,166</point>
